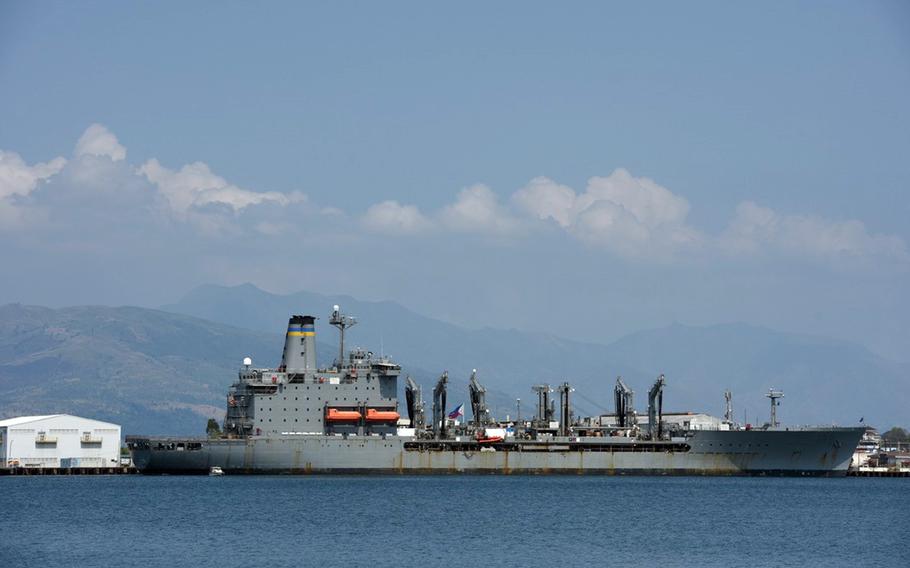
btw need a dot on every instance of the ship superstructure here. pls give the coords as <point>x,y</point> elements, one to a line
<point>356,396</point>
<point>298,418</point>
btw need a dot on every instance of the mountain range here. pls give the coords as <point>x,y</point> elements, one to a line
<point>165,371</point>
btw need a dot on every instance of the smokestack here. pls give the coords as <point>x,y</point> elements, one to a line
<point>300,345</point>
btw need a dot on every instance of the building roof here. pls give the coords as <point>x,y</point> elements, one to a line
<point>26,419</point>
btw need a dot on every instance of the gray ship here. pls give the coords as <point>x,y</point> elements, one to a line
<point>300,419</point>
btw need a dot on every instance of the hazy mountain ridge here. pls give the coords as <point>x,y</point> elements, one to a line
<point>826,380</point>
<point>164,372</point>
<point>148,370</point>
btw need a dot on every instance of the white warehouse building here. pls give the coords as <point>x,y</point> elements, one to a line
<point>58,440</point>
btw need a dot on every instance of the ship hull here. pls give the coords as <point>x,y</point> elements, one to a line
<point>803,452</point>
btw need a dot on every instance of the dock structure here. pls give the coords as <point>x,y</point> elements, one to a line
<point>118,470</point>
<point>878,472</point>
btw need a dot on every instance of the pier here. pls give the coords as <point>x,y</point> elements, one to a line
<point>117,470</point>
<point>878,472</point>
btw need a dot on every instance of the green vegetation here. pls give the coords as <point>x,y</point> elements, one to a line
<point>213,429</point>
<point>896,434</point>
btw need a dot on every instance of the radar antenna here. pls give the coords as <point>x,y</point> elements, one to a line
<point>342,322</point>
<point>775,396</point>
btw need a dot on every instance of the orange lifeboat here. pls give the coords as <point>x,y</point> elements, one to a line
<point>374,415</point>
<point>335,415</point>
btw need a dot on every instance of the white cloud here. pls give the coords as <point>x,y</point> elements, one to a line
<point>632,216</point>
<point>17,180</point>
<point>99,141</point>
<point>99,182</point>
<point>651,204</point>
<point>544,199</point>
<point>393,218</point>
<point>195,186</point>
<point>755,229</point>
<point>477,210</point>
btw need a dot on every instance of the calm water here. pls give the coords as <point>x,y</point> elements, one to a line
<point>453,521</point>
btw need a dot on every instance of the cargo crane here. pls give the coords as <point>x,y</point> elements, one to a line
<point>479,408</point>
<point>414,400</point>
<point>564,416</point>
<point>656,408</point>
<point>728,407</point>
<point>439,406</point>
<point>545,407</point>
<point>625,405</point>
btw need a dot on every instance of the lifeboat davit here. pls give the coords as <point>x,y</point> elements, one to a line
<point>374,415</point>
<point>335,415</point>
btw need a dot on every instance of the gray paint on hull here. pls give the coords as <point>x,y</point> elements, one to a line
<point>757,452</point>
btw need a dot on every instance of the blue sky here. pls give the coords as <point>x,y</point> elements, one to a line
<point>637,164</point>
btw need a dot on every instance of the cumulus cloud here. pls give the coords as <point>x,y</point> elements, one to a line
<point>98,181</point>
<point>195,186</point>
<point>635,217</point>
<point>99,141</point>
<point>392,217</point>
<point>545,199</point>
<point>477,210</point>
<point>17,180</point>
<point>756,229</point>
<point>632,216</point>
